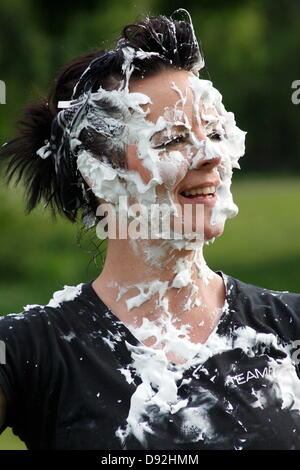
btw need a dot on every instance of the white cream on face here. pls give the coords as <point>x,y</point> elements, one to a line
<point>109,183</point>
<point>230,147</point>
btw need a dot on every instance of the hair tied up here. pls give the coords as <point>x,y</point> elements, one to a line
<point>27,158</point>
<point>45,151</point>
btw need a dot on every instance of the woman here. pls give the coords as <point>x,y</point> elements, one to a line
<point>159,351</point>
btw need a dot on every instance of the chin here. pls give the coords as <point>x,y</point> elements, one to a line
<point>212,231</point>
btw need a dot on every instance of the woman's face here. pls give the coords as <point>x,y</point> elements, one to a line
<point>197,177</point>
<point>181,146</point>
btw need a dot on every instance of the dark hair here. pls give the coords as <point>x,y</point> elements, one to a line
<point>57,181</point>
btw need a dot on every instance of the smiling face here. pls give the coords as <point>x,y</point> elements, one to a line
<point>185,126</point>
<point>180,147</point>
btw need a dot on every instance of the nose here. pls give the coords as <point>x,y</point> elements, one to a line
<point>206,163</point>
<point>213,162</point>
<point>204,154</point>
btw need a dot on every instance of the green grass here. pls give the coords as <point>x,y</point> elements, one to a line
<point>260,246</point>
<point>9,441</point>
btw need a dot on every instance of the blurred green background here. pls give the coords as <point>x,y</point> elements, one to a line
<point>252,56</point>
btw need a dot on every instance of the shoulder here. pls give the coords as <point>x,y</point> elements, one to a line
<point>265,309</point>
<point>67,294</point>
<point>33,320</point>
<point>263,295</point>
<point>73,315</point>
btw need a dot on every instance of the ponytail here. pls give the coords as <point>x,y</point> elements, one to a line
<point>37,174</point>
<point>23,163</point>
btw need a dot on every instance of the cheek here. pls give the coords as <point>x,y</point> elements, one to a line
<point>135,164</point>
<point>172,167</point>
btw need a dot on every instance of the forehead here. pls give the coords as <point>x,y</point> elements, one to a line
<point>166,91</point>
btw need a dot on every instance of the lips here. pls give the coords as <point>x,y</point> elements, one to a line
<point>196,189</point>
<point>204,193</point>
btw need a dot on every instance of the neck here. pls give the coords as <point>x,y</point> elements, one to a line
<point>150,278</point>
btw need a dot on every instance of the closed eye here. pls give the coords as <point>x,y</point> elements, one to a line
<point>215,136</point>
<point>173,141</point>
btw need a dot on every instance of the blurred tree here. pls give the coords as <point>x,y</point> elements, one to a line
<point>53,16</point>
<point>251,49</point>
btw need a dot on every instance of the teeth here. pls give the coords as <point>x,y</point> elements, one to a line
<point>193,192</point>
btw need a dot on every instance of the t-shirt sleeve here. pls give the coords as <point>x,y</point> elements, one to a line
<point>15,352</point>
<point>22,366</point>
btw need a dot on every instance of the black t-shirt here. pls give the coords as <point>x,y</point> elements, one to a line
<point>74,378</point>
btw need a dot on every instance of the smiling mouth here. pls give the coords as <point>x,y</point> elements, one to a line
<point>207,193</point>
